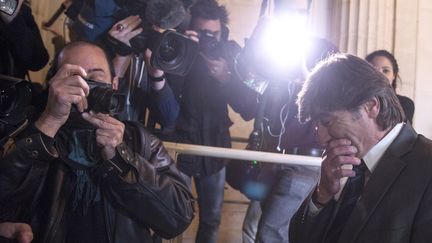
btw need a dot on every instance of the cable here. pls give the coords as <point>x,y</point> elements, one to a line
<point>283,115</point>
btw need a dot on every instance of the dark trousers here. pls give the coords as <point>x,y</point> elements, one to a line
<point>210,190</point>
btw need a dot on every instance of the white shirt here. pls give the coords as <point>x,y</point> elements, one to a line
<point>371,160</point>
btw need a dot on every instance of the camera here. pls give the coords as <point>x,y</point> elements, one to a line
<point>15,99</point>
<point>103,99</point>
<point>8,6</point>
<point>15,105</point>
<point>209,45</point>
<point>172,51</point>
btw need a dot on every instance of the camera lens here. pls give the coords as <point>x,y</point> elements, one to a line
<point>171,49</point>
<point>104,99</point>
<point>117,103</point>
<point>174,53</point>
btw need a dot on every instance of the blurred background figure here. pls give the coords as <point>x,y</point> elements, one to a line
<point>144,86</point>
<point>21,46</point>
<point>21,50</point>
<point>386,63</point>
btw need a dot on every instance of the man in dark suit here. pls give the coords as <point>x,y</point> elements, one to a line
<point>376,175</point>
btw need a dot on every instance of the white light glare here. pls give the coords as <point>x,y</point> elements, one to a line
<point>286,40</point>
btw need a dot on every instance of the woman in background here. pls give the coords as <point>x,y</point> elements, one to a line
<point>386,63</point>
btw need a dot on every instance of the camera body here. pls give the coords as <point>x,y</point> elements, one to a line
<point>15,99</point>
<point>209,45</point>
<point>15,105</point>
<point>172,51</point>
<point>103,99</point>
<point>8,6</point>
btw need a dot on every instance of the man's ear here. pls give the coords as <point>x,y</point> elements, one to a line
<point>373,107</point>
<point>115,82</point>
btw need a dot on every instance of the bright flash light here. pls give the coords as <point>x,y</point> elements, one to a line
<point>285,40</point>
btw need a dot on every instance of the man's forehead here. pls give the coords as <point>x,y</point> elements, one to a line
<point>82,50</point>
<point>319,113</point>
<point>207,23</point>
<point>87,56</point>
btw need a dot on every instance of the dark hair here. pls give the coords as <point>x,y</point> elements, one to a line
<point>319,50</point>
<point>209,9</point>
<point>391,58</point>
<point>345,82</point>
<point>55,63</point>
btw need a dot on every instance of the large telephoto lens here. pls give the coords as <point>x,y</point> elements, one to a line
<point>171,49</point>
<point>174,53</point>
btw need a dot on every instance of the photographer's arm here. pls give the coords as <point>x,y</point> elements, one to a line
<point>146,189</point>
<point>242,99</point>
<point>67,87</point>
<point>121,64</point>
<point>163,104</point>
<point>24,164</point>
<point>152,189</point>
<point>121,33</point>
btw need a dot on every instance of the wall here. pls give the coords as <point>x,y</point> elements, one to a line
<point>413,50</point>
<point>243,17</point>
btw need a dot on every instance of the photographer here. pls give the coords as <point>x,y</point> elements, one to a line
<point>145,85</point>
<point>83,176</point>
<point>21,46</point>
<point>204,94</point>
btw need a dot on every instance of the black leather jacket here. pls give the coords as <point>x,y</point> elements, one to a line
<point>137,194</point>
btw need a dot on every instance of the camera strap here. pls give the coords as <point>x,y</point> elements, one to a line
<point>7,143</point>
<point>120,48</point>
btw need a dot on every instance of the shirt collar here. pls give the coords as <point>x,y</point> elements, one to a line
<point>376,152</point>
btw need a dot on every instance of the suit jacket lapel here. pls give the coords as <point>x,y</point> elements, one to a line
<point>386,172</point>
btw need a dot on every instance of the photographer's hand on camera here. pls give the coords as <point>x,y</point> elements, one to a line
<point>156,76</point>
<point>192,34</point>
<point>67,87</point>
<point>218,69</point>
<point>109,132</point>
